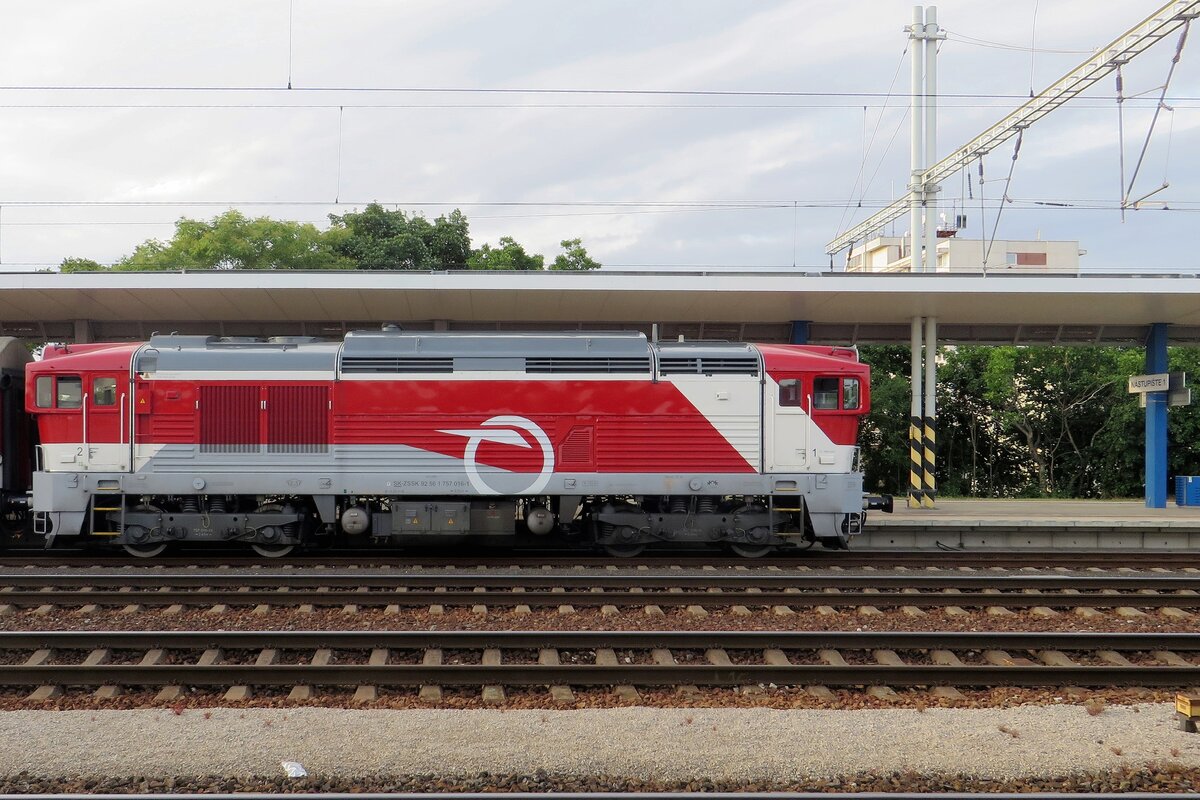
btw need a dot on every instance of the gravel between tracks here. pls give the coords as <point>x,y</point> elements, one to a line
<point>643,743</point>
<point>1156,777</point>
<point>630,619</point>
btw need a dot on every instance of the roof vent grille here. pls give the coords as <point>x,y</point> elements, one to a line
<point>377,365</point>
<point>708,366</point>
<point>551,365</point>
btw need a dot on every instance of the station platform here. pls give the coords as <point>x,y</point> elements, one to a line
<point>1035,525</point>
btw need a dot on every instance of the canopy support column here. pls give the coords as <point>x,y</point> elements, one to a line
<point>1156,420</point>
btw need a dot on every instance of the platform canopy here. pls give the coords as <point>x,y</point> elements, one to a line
<point>836,307</point>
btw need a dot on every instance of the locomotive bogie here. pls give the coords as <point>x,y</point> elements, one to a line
<point>146,526</point>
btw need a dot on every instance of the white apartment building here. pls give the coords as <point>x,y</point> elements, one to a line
<point>890,254</point>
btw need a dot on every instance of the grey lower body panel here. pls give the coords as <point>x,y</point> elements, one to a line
<point>833,501</point>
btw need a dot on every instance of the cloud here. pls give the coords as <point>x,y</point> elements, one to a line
<point>421,149</point>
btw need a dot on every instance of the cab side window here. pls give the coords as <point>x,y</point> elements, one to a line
<point>789,392</point>
<point>825,394</point>
<point>70,392</point>
<point>104,392</point>
<point>851,395</point>
<point>45,391</point>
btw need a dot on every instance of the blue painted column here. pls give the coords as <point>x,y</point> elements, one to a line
<point>800,332</point>
<point>1156,420</point>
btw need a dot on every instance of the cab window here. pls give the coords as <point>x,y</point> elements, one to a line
<point>104,392</point>
<point>70,392</point>
<point>825,394</point>
<point>851,397</point>
<point>789,392</point>
<point>45,391</point>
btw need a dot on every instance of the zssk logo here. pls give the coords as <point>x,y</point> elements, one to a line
<point>506,430</point>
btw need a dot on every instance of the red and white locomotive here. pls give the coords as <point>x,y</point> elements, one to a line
<point>393,436</point>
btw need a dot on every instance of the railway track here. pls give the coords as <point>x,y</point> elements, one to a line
<point>694,558</point>
<point>110,660</point>
<point>598,795</point>
<point>289,589</point>
<point>559,795</point>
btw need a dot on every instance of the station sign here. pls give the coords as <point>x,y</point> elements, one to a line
<point>1160,382</point>
<point>1173,383</point>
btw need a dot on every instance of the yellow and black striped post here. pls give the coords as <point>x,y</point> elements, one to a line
<point>916,464</point>
<point>915,458</point>
<point>929,453</point>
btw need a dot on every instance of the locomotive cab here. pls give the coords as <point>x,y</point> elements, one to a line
<point>80,397</point>
<point>814,398</point>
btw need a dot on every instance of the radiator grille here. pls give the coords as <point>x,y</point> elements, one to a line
<point>229,419</point>
<point>298,419</point>
<point>575,452</point>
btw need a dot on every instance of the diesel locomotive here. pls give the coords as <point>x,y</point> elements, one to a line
<point>394,437</point>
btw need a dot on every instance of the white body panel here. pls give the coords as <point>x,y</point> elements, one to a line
<point>794,442</point>
<point>733,406</point>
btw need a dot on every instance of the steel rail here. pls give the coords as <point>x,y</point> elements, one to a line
<point>293,579</point>
<point>596,675</point>
<point>498,795</point>
<point>501,599</point>
<point>708,557</point>
<point>572,640</point>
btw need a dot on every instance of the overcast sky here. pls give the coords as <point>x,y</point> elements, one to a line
<point>93,170</point>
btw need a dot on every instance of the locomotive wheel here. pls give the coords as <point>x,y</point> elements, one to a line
<point>271,550</point>
<point>624,550</point>
<point>751,550</point>
<point>145,550</point>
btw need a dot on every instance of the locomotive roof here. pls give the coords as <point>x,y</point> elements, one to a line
<point>490,344</point>
<point>173,352</point>
<point>396,351</point>
<point>705,349</point>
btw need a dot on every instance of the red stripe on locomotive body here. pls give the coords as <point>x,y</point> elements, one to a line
<point>635,426</point>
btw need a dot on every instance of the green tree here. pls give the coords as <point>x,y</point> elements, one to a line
<point>1024,421</point>
<point>233,241</point>
<point>884,434</point>
<point>508,256</point>
<point>1183,422</point>
<point>80,265</point>
<point>1058,401</point>
<point>574,257</point>
<point>376,238</point>
<point>976,455</point>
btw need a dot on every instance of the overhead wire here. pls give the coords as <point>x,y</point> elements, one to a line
<point>962,38</point>
<point>1183,34</point>
<point>1033,47</point>
<point>1121,135</point>
<point>1004,197</point>
<point>1015,203</point>
<point>452,90</point>
<point>859,186</point>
